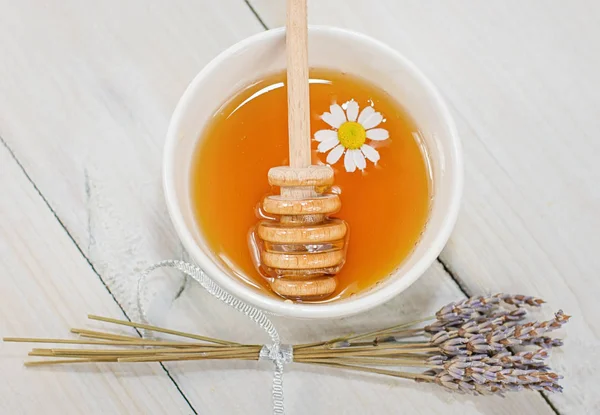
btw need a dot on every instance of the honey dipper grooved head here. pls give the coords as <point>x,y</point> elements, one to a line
<point>303,250</point>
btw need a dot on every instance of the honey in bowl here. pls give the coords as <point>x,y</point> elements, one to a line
<point>385,203</point>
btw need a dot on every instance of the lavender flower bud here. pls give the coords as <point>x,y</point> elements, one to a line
<point>543,341</point>
<point>520,300</point>
<point>454,346</point>
<point>438,359</point>
<point>439,338</point>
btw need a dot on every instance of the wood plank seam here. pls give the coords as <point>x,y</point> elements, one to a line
<point>255,13</point>
<point>459,283</point>
<point>62,225</point>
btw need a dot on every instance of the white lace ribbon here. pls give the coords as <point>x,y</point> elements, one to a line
<point>279,354</point>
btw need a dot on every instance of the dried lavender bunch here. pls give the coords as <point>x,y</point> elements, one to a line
<point>477,345</point>
<point>476,338</point>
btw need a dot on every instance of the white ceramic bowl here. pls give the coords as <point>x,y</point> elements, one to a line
<point>332,48</point>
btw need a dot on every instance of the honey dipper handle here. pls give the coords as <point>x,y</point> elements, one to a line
<point>297,83</point>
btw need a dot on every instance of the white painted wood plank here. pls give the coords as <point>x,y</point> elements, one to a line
<point>45,287</point>
<point>523,80</point>
<point>88,93</point>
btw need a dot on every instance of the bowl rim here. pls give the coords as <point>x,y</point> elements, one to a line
<point>325,310</point>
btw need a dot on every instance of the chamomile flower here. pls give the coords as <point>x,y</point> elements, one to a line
<point>349,135</point>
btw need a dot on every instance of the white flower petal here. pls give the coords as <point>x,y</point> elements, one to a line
<point>359,159</point>
<point>352,110</point>
<point>370,153</point>
<point>349,163</point>
<point>338,112</point>
<point>335,154</point>
<point>378,134</point>
<point>336,117</point>
<point>328,144</point>
<point>331,120</point>
<point>365,113</point>
<point>373,121</point>
<point>323,135</point>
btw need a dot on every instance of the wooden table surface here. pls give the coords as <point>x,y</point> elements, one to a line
<point>86,92</point>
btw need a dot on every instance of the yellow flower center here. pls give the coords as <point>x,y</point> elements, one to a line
<point>352,135</point>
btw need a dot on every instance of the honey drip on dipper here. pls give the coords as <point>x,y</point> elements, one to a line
<point>301,249</point>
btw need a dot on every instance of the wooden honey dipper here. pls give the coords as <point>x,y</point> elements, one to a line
<point>302,252</point>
